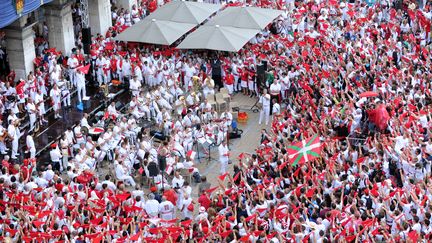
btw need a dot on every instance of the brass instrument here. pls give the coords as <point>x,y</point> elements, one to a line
<point>196,84</point>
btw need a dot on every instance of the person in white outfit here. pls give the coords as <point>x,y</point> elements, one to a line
<point>135,86</point>
<point>223,156</point>
<point>152,206</point>
<point>264,100</point>
<point>72,64</point>
<point>166,209</point>
<point>31,145</point>
<point>32,111</point>
<point>55,95</point>
<point>121,174</point>
<point>81,85</point>
<point>39,102</point>
<point>15,134</point>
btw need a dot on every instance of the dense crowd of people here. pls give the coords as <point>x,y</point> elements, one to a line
<point>347,157</point>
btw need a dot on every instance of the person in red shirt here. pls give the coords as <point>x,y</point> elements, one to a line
<point>204,200</point>
<point>229,82</point>
<point>244,81</point>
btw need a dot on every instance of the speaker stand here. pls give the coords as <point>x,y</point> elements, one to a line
<point>255,108</point>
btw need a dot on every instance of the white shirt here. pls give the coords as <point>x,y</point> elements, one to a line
<point>265,100</point>
<point>152,208</point>
<point>30,143</point>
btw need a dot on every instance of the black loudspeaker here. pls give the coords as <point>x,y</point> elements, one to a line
<point>264,63</point>
<point>86,36</point>
<point>261,69</point>
<point>86,48</point>
<point>261,77</point>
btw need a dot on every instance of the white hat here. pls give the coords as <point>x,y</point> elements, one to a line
<point>202,209</point>
<point>342,5</point>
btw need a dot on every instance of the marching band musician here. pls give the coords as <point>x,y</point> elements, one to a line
<point>180,105</point>
<point>264,100</point>
<point>104,143</point>
<point>162,102</point>
<point>32,111</point>
<point>112,111</point>
<point>79,137</point>
<point>56,96</point>
<point>135,86</point>
<point>166,95</point>
<point>190,71</point>
<point>85,161</point>
<point>134,108</point>
<point>192,99</point>
<point>208,86</point>
<point>228,116</point>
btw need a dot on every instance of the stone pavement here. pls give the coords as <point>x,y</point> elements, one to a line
<point>246,144</point>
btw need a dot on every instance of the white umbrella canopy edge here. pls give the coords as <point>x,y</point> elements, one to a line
<point>154,31</point>
<point>185,11</point>
<point>245,17</point>
<point>220,38</point>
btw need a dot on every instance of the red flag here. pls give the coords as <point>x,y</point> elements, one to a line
<point>222,177</point>
<point>310,192</point>
<point>211,190</point>
<point>135,237</point>
<point>84,69</point>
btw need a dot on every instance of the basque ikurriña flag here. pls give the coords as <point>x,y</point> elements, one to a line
<point>305,150</point>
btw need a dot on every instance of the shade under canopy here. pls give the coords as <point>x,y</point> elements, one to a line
<point>185,12</point>
<point>152,31</point>
<point>245,17</point>
<point>220,38</point>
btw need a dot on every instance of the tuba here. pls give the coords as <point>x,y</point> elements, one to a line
<point>196,82</point>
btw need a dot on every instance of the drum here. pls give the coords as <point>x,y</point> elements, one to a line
<point>95,132</point>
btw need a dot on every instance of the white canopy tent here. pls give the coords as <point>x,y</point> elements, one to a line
<point>185,12</point>
<point>159,32</point>
<point>245,17</point>
<point>221,38</point>
<point>169,22</point>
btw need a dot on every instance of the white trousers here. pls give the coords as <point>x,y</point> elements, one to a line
<point>32,118</point>
<point>14,147</point>
<point>224,164</point>
<point>128,179</point>
<point>81,89</point>
<point>265,111</point>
